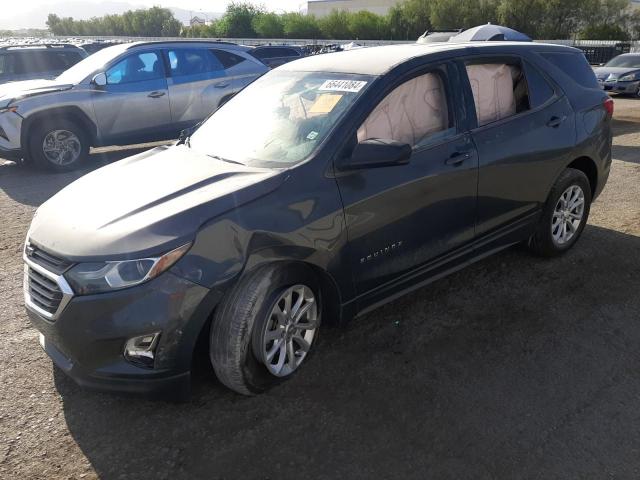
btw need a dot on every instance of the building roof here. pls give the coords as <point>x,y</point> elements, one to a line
<point>379,60</point>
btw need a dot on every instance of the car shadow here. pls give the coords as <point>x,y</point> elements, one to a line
<point>33,187</point>
<point>516,367</point>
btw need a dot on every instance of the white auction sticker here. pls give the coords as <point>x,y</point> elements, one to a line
<point>343,85</point>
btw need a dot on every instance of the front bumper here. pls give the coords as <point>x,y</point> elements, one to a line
<point>87,338</point>
<point>621,87</point>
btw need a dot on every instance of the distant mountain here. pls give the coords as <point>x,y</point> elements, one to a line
<point>81,10</point>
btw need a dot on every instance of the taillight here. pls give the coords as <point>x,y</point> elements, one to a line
<point>608,106</point>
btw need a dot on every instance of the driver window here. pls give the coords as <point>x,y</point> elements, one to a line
<point>413,113</point>
<point>135,68</point>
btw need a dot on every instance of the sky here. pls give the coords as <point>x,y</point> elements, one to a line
<point>25,6</point>
<point>33,13</point>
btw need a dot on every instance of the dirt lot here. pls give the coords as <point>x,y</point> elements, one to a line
<point>515,368</point>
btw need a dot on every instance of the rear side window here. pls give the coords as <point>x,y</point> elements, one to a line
<point>539,88</point>
<point>416,113</point>
<point>499,90</point>
<point>574,65</point>
<point>227,59</point>
<point>192,62</point>
<point>5,65</point>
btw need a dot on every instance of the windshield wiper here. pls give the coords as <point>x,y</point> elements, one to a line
<point>225,159</point>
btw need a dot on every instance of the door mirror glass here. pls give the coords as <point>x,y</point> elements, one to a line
<point>378,152</point>
<point>99,80</point>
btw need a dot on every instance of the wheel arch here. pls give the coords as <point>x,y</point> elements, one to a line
<point>72,113</point>
<point>587,166</point>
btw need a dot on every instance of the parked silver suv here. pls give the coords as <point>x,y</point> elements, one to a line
<point>129,93</point>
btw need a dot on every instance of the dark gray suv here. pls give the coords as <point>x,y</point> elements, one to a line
<point>124,94</point>
<point>329,186</point>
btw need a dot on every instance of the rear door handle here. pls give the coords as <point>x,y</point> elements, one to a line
<point>554,122</point>
<point>457,158</point>
<point>156,94</point>
<point>221,85</point>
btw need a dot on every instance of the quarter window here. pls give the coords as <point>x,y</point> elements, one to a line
<point>136,68</point>
<point>499,90</point>
<point>413,113</point>
<point>227,59</point>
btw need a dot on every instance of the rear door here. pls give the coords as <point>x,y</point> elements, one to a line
<point>134,105</point>
<point>524,130</point>
<point>399,218</point>
<point>197,83</point>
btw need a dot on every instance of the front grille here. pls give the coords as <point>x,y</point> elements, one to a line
<point>43,292</point>
<point>46,260</point>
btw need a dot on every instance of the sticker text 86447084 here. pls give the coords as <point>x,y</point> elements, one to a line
<point>343,85</point>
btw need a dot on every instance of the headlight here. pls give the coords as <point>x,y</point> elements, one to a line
<point>628,78</point>
<point>98,277</point>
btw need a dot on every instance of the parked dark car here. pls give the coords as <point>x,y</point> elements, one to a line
<point>275,55</point>
<point>124,94</point>
<point>323,190</point>
<point>26,62</point>
<point>621,74</point>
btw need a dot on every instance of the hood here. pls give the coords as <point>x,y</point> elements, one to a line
<point>603,73</point>
<point>145,204</point>
<point>27,88</point>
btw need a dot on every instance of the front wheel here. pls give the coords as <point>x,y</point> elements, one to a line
<point>58,145</point>
<point>565,214</point>
<point>265,328</point>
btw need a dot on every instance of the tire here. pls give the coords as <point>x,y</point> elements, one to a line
<point>72,143</point>
<point>244,321</point>
<point>549,239</point>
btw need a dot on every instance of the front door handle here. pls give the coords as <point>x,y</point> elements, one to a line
<point>457,158</point>
<point>156,94</point>
<point>221,85</point>
<point>554,122</point>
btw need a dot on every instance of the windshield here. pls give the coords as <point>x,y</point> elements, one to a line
<point>279,119</point>
<point>92,64</point>
<point>624,61</point>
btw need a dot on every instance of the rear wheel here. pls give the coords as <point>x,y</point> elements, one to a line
<point>565,214</point>
<point>265,328</point>
<point>58,145</point>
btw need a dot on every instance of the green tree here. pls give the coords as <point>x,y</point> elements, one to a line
<point>604,32</point>
<point>237,21</point>
<point>365,25</point>
<point>297,25</point>
<point>336,25</point>
<point>268,25</point>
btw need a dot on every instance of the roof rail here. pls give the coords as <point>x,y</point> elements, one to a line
<point>186,40</point>
<point>38,45</point>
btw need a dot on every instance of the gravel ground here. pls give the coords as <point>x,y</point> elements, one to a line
<point>514,368</point>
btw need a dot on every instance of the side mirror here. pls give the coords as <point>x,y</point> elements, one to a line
<point>377,152</point>
<point>100,79</point>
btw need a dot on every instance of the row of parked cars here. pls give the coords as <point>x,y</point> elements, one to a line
<point>125,93</point>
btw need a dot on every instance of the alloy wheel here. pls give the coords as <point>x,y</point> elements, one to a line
<point>61,147</point>
<point>567,215</point>
<point>289,331</point>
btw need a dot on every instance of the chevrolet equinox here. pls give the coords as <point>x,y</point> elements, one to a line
<point>331,185</point>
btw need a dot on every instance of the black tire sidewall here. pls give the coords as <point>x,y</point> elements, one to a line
<point>41,130</point>
<point>543,236</point>
<point>270,283</point>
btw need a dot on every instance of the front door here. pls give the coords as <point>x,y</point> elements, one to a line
<point>133,106</point>
<point>401,217</point>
